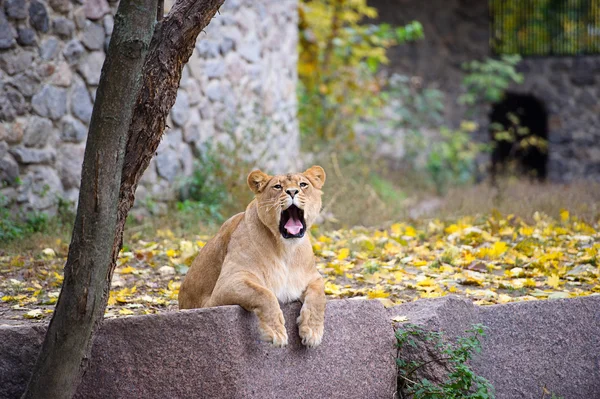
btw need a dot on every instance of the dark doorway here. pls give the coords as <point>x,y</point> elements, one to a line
<point>519,132</point>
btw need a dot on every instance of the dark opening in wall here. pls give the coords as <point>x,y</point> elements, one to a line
<point>519,132</point>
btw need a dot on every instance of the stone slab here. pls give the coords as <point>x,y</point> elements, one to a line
<point>552,343</point>
<point>19,348</point>
<point>216,353</point>
<point>528,345</point>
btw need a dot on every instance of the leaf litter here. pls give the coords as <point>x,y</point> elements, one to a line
<point>491,259</point>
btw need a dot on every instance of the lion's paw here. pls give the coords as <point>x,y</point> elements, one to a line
<point>310,328</point>
<point>275,335</point>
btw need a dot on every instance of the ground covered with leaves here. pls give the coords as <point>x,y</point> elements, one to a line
<point>490,259</point>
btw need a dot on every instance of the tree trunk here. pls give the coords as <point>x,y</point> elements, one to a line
<point>82,300</point>
<point>134,97</point>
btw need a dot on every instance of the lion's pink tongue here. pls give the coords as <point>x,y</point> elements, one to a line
<point>293,226</point>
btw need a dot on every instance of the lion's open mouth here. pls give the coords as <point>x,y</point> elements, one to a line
<point>291,224</point>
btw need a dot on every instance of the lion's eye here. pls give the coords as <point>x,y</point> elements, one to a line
<point>277,187</point>
<point>303,185</point>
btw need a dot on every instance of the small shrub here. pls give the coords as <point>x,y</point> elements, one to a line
<point>460,381</point>
<point>22,225</point>
<point>452,158</point>
<point>487,81</point>
<point>203,191</point>
<point>19,225</point>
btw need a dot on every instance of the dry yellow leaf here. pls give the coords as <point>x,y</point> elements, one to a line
<point>377,292</point>
<point>553,281</point>
<point>343,253</point>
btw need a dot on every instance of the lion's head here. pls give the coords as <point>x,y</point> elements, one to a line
<point>288,204</point>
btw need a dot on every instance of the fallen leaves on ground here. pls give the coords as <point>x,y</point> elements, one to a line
<point>491,259</point>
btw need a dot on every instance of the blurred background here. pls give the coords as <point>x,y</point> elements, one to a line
<point>416,109</point>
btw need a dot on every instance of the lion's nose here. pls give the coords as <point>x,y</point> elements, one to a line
<point>292,192</point>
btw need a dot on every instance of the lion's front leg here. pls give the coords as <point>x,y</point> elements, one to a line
<point>245,289</point>
<point>311,321</point>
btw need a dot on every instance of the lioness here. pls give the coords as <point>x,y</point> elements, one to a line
<point>264,255</point>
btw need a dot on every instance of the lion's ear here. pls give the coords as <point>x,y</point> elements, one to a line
<point>257,181</point>
<point>316,175</point>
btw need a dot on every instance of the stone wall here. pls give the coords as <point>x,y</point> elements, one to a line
<point>457,31</point>
<point>241,78</point>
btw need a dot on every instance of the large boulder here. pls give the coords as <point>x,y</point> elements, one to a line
<point>528,345</point>
<point>216,353</point>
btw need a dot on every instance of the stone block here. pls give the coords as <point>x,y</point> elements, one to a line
<point>91,66</point>
<point>96,9</point>
<point>69,163</point>
<point>38,16</point>
<point>181,108</point>
<point>33,155</point>
<point>528,345</point>
<point>216,353</point>
<point>12,133</point>
<point>63,27</point>
<point>49,48</point>
<point>16,62</point>
<point>73,51</point>
<point>81,103</point>
<point>50,102</point>
<point>26,36</point>
<point>16,9</point>
<point>60,6</point>
<point>551,343</point>
<point>37,132</point>
<point>7,37</point>
<point>40,188</point>
<point>62,75</point>
<point>26,83</point>
<point>167,163</point>
<point>93,36</point>
<point>9,169</point>
<point>72,130</point>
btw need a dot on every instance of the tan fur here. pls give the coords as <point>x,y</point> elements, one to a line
<point>249,263</point>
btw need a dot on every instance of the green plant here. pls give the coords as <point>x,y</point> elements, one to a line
<point>460,381</point>
<point>21,224</point>
<point>415,105</point>
<point>204,186</point>
<point>487,81</point>
<point>452,158</point>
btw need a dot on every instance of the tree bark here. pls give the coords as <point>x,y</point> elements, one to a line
<point>134,97</point>
<point>82,300</point>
